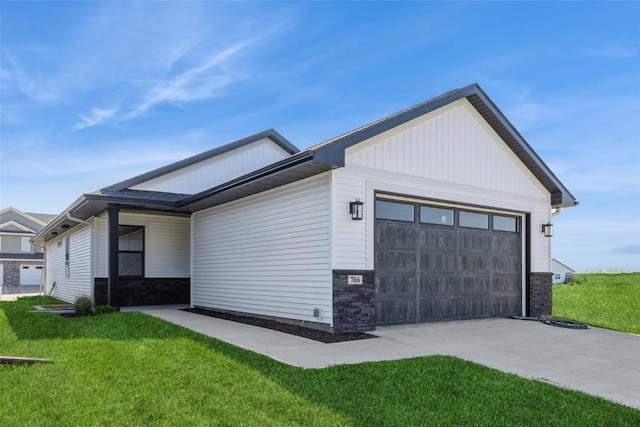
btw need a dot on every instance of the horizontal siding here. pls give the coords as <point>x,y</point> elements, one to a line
<point>167,244</point>
<point>80,280</point>
<point>350,247</point>
<point>267,254</point>
<point>455,145</point>
<point>217,170</point>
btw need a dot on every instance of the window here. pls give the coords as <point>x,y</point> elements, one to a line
<point>67,258</point>
<point>395,211</point>
<point>431,215</point>
<point>26,244</point>
<point>505,223</point>
<point>131,250</point>
<point>557,277</point>
<point>473,220</point>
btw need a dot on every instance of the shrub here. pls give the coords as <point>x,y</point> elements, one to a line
<point>83,306</point>
<point>105,309</point>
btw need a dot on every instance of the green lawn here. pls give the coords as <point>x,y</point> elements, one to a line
<point>131,369</point>
<point>607,300</point>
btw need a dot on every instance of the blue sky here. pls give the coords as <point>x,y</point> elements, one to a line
<point>97,92</point>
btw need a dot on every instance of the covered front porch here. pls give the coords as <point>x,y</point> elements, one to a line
<point>142,258</point>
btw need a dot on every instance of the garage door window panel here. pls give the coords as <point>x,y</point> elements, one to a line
<point>395,211</point>
<point>437,216</point>
<point>505,223</point>
<point>473,220</point>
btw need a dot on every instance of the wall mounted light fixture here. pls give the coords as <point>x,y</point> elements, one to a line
<point>547,230</point>
<point>356,210</point>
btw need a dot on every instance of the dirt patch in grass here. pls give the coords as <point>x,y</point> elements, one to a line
<point>300,331</point>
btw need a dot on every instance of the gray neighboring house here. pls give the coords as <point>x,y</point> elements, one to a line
<point>561,273</point>
<point>21,263</point>
<point>438,212</point>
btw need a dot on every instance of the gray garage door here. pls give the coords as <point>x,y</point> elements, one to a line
<point>442,263</point>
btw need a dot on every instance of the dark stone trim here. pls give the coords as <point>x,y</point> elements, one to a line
<point>540,294</point>
<point>353,305</point>
<point>145,291</point>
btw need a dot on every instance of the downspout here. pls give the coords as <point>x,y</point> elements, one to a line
<point>43,278</point>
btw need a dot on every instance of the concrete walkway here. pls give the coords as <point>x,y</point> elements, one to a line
<point>595,361</point>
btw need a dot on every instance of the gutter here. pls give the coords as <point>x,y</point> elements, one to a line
<point>81,221</point>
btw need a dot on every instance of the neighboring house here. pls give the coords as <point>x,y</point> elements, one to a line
<point>561,273</point>
<point>432,213</point>
<point>21,263</point>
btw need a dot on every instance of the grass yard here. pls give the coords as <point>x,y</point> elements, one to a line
<point>607,300</point>
<point>130,369</point>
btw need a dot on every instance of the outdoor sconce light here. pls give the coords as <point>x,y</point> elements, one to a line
<point>356,209</point>
<point>547,230</point>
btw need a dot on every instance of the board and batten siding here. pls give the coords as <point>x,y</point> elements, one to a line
<point>167,244</point>
<point>80,279</point>
<point>217,170</point>
<point>267,254</point>
<point>451,154</point>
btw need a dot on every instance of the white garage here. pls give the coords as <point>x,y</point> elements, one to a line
<point>30,275</point>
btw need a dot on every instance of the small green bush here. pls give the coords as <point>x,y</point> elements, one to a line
<point>105,309</point>
<point>83,306</point>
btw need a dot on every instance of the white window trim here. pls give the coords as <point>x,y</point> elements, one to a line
<point>26,244</point>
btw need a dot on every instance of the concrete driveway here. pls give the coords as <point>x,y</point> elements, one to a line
<point>595,361</point>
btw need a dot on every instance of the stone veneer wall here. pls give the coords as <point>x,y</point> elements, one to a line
<point>353,305</point>
<point>147,291</point>
<point>540,294</point>
<point>11,273</point>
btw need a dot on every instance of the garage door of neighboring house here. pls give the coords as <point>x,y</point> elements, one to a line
<point>444,263</point>
<point>30,275</point>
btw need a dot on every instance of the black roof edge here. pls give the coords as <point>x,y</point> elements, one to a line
<point>559,193</point>
<point>297,159</point>
<point>272,134</point>
<point>567,198</point>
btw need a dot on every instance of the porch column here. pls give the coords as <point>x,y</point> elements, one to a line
<point>114,260</point>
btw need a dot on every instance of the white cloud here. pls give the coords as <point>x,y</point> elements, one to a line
<point>97,116</point>
<point>201,82</point>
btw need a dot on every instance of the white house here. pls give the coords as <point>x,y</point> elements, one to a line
<point>436,212</point>
<point>21,263</point>
<point>561,273</point>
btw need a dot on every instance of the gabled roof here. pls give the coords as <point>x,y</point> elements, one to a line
<point>563,265</point>
<point>40,219</point>
<point>269,133</point>
<point>560,195</point>
<point>317,159</point>
<point>16,225</point>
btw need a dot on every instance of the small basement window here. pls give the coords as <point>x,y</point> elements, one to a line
<point>473,220</point>
<point>394,211</point>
